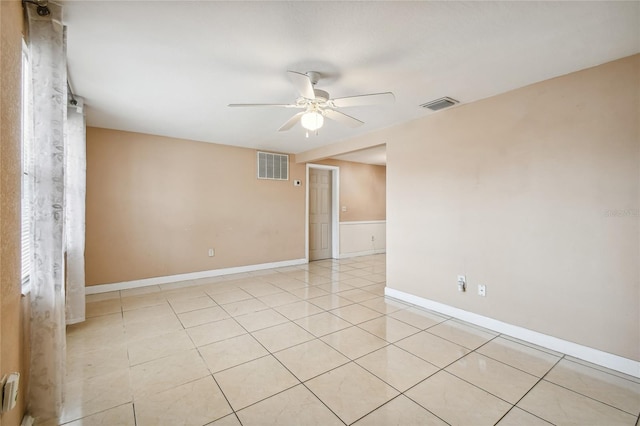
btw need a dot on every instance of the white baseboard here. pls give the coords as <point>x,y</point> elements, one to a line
<point>104,288</point>
<point>362,253</point>
<point>595,356</point>
<point>74,321</point>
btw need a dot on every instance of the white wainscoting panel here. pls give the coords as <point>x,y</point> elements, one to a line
<point>363,238</point>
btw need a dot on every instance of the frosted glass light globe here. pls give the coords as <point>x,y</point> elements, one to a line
<point>312,120</point>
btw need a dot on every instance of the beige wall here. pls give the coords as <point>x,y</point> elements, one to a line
<point>516,191</point>
<point>13,356</point>
<point>155,206</point>
<point>363,190</point>
<point>368,140</point>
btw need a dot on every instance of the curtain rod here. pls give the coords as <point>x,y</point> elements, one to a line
<point>73,100</point>
<point>43,8</point>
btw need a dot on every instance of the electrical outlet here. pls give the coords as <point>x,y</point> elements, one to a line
<point>10,391</point>
<point>373,238</point>
<point>212,252</point>
<point>482,290</point>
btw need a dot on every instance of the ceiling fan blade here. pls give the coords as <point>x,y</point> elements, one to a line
<point>372,99</point>
<point>291,122</point>
<point>302,83</point>
<point>265,105</point>
<point>342,118</point>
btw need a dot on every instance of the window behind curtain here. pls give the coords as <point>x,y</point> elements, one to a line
<point>27,186</point>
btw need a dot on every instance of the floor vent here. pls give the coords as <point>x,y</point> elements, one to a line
<point>439,104</point>
<point>273,166</point>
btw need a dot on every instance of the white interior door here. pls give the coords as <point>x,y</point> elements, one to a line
<point>319,214</point>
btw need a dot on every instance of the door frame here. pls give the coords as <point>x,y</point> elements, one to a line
<point>335,210</point>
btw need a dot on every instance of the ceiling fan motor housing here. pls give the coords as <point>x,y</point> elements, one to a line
<point>321,95</point>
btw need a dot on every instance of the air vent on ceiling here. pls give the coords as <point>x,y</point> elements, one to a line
<point>439,104</point>
<point>273,166</point>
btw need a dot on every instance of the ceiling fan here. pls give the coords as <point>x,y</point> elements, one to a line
<point>317,104</point>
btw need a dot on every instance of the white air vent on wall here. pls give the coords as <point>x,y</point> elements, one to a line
<point>273,166</point>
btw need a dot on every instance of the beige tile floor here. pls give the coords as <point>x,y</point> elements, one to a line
<point>317,344</point>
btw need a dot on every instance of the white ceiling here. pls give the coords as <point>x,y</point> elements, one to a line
<point>171,67</point>
<point>376,155</point>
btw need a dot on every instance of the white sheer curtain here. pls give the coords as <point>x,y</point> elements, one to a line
<point>47,53</point>
<point>75,197</point>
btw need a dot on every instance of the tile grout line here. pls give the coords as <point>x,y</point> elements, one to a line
<point>318,338</point>
<point>269,353</point>
<point>394,398</point>
<point>385,315</point>
<point>234,411</point>
<point>530,389</point>
<point>485,390</point>
<point>443,369</point>
<point>626,379</point>
<point>578,393</point>
<point>505,363</point>
<point>176,315</point>
<point>354,361</point>
<point>586,396</point>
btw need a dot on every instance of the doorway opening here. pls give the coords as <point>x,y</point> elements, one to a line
<point>322,230</point>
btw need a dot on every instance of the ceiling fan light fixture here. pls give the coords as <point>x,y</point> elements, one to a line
<point>317,104</point>
<point>312,120</point>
